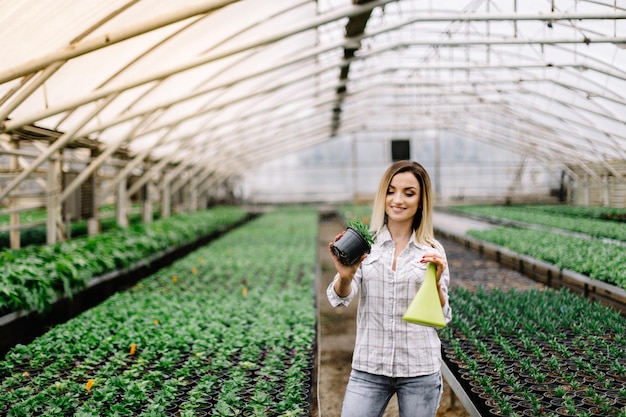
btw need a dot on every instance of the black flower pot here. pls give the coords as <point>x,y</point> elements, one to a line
<point>350,247</point>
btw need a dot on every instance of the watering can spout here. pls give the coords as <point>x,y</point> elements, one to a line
<point>425,309</point>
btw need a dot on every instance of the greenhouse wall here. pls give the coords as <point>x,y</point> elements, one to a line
<point>605,190</point>
<point>462,170</point>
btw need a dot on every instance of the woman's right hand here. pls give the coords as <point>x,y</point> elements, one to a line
<point>346,272</point>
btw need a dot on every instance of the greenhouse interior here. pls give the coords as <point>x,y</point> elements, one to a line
<point>175,178</point>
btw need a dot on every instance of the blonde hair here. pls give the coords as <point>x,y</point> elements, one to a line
<point>422,222</point>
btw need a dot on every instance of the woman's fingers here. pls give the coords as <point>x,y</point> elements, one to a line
<point>339,236</point>
<point>439,261</point>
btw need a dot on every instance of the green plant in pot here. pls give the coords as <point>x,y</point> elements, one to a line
<point>356,241</point>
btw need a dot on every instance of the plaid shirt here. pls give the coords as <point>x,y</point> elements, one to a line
<point>386,344</point>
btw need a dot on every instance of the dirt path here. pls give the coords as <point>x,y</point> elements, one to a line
<point>337,326</point>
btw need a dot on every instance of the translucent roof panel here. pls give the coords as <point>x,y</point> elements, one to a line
<point>230,84</point>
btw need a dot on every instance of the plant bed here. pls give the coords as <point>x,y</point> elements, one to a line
<point>598,222</point>
<point>547,273</point>
<point>23,326</point>
<point>229,329</point>
<point>537,353</point>
<point>36,234</point>
<point>598,260</point>
<point>34,277</point>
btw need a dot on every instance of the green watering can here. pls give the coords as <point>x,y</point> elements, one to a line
<point>425,309</point>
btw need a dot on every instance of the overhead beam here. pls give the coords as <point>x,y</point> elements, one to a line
<point>94,43</point>
<point>198,61</point>
<point>355,27</point>
<point>54,147</point>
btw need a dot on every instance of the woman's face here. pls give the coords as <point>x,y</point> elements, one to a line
<point>403,198</point>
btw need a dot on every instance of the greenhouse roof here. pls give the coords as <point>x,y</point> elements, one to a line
<point>220,86</point>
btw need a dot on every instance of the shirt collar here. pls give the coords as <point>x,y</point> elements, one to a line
<point>384,236</point>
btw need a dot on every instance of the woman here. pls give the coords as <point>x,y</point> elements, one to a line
<point>392,356</point>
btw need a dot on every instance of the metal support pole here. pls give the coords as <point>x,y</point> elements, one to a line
<point>166,197</point>
<point>586,190</point>
<point>53,207</point>
<point>146,209</point>
<point>193,194</point>
<point>14,234</point>
<point>120,205</point>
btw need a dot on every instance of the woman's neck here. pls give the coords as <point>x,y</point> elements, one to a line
<point>400,232</point>
<point>400,235</point>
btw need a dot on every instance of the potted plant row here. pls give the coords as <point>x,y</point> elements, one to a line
<point>33,277</point>
<point>548,353</point>
<point>605,224</point>
<point>594,258</point>
<point>228,330</point>
<point>36,234</point>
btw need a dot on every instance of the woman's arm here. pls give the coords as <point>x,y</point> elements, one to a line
<point>442,294</point>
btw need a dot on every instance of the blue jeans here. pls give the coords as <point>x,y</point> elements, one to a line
<point>367,395</point>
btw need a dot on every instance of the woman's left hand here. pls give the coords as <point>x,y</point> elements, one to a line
<point>439,261</point>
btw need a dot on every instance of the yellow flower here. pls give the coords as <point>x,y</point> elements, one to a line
<point>194,270</point>
<point>244,291</point>
<point>89,384</point>
<point>156,322</point>
<point>174,278</point>
<point>133,348</point>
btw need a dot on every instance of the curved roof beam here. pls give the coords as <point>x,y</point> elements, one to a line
<point>233,155</point>
<point>157,75</point>
<point>84,101</point>
<point>283,84</point>
<point>267,101</point>
<point>231,138</point>
<point>250,141</point>
<point>612,135</point>
<point>63,140</point>
<point>485,133</point>
<point>546,137</point>
<point>88,45</point>
<point>173,35</point>
<point>355,29</point>
<point>223,85</point>
<point>510,84</point>
<point>37,79</point>
<point>453,123</point>
<point>111,147</point>
<point>581,121</point>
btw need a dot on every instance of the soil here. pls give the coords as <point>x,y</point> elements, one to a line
<point>337,326</point>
